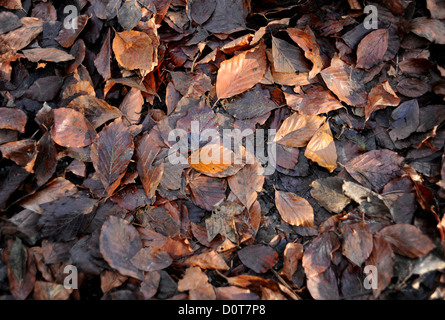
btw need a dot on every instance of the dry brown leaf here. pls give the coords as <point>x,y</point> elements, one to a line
<point>67,37</point>
<point>71,129</point>
<point>346,83</point>
<point>111,153</point>
<point>241,73</point>
<point>134,50</point>
<point>297,130</point>
<point>294,209</point>
<point>372,49</point>
<point>321,148</point>
<point>47,54</point>
<point>103,59</point>
<point>247,183</point>
<point>380,97</point>
<point>307,41</point>
<point>431,29</point>
<point>407,240</point>
<point>119,242</point>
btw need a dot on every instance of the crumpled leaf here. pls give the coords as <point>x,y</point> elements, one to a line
<point>321,148</point>
<point>307,41</point>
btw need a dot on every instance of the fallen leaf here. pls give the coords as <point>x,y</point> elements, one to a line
<point>407,240</point>
<point>288,58</point>
<point>317,255</point>
<point>228,17</point>
<point>55,189</point>
<point>306,40</point>
<point>106,10</point>
<point>50,291</point>
<point>151,259</point>
<point>297,130</point>
<point>250,104</point>
<point>150,174</point>
<point>294,209</point>
<point>293,253</point>
<point>241,73</point>
<point>119,243</point>
<point>380,97</point>
<point>222,221</point>
<point>372,49</point>
<point>260,258</point>
<point>64,218</point>
<point>129,14</point>
<point>375,168</point>
<point>21,268</point>
<point>412,87</point>
<point>47,54</point>
<point>382,257</point>
<point>95,110</point>
<point>431,29</point>
<point>357,242</point>
<point>207,260</point>
<point>67,37</point>
<point>102,61</point>
<point>405,120</point>
<point>321,148</point>
<point>12,119</point>
<point>315,100</point>
<point>323,286</point>
<point>45,89</point>
<point>345,82</point>
<point>111,153</point>
<point>205,191</point>
<point>247,183</point>
<point>23,153</point>
<point>196,282</point>
<point>329,194</point>
<point>71,129</point>
<point>202,10</point>
<point>134,50</point>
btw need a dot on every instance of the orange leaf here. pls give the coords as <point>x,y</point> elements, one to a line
<point>321,148</point>
<point>380,97</point>
<point>307,41</point>
<point>297,130</point>
<point>241,73</point>
<point>134,50</point>
<point>294,209</point>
